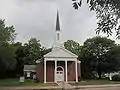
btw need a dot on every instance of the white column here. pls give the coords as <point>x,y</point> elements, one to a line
<point>55,71</point>
<point>66,71</point>
<point>76,70</point>
<point>44,71</point>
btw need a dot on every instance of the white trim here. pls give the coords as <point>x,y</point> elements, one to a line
<point>66,71</point>
<point>76,70</point>
<point>45,71</point>
<point>78,61</point>
<point>73,55</point>
<point>60,67</point>
<point>60,59</point>
<point>56,71</point>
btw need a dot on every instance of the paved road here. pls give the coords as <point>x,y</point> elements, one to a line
<point>105,88</point>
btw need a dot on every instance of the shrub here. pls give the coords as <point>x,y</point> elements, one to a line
<point>116,77</point>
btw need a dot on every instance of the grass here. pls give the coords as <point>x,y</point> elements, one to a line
<point>15,82</point>
<point>95,82</point>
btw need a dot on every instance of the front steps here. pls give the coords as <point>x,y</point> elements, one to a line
<point>65,86</point>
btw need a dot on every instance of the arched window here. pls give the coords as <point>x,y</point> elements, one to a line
<point>59,69</point>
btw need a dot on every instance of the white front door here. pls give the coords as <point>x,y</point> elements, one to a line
<point>59,75</point>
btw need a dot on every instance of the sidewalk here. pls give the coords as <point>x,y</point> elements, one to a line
<point>97,86</point>
<point>30,88</point>
<point>58,87</point>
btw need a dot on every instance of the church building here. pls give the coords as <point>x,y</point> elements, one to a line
<point>59,64</point>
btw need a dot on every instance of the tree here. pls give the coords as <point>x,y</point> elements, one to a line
<point>73,46</point>
<point>94,54</point>
<point>7,57</point>
<point>7,33</point>
<point>113,57</point>
<point>19,56</point>
<point>33,51</point>
<point>107,13</point>
<point>7,50</point>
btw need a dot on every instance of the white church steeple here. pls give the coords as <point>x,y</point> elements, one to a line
<point>58,34</point>
<point>57,43</point>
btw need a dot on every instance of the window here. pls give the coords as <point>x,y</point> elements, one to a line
<point>58,36</point>
<point>28,74</point>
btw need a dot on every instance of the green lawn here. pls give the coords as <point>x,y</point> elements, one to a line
<point>15,82</point>
<point>95,82</point>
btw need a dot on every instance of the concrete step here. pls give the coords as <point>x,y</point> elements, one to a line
<point>65,85</point>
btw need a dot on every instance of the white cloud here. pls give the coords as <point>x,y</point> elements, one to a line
<point>36,18</point>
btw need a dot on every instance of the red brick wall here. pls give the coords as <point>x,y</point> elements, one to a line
<point>71,71</point>
<point>50,71</point>
<point>40,73</point>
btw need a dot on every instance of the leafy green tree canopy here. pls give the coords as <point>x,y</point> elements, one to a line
<point>7,33</point>
<point>94,54</point>
<point>7,50</point>
<point>33,51</point>
<point>73,46</point>
<point>107,13</point>
<point>7,57</point>
<point>113,57</point>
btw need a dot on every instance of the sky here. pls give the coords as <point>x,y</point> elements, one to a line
<point>37,19</point>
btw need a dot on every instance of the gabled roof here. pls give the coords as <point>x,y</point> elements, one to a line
<point>60,52</point>
<point>29,67</point>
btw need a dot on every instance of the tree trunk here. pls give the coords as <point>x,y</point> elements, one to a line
<point>99,74</point>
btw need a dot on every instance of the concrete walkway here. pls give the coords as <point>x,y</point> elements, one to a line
<point>65,85</point>
<point>97,86</point>
<point>68,87</point>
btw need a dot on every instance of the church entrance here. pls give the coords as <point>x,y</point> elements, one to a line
<point>59,74</point>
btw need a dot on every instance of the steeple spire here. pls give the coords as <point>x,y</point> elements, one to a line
<point>57,22</point>
<point>57,28</point>
<point>58,33</point>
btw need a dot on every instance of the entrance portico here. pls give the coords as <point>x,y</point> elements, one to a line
<point>61,71</point>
